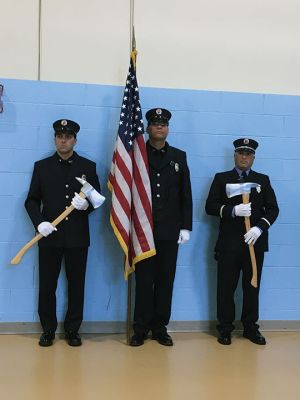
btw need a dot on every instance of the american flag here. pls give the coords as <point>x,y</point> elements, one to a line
<point>129,182</point>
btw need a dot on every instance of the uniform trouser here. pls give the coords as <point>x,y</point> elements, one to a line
<point>229,266</point>
<point>154,279</point>
<point>50,260</point>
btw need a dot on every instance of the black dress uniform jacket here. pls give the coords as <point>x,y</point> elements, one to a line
<point>51,190</point>
<point>264,210</point>
<point>171,192</point>
<point>172,211</point>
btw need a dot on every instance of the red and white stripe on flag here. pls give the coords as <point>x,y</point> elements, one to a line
<point>129,182</point>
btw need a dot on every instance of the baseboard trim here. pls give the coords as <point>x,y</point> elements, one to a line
<point>120,326</point>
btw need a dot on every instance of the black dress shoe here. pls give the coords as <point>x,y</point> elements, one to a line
<point>137,340</point>
<point>73,338</point>
<point>163,338</point>
<point>47,338</point>
<point>255,337</point>
<point>224,338</point>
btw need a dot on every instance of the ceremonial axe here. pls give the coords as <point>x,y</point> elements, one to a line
<point>244,189</point>
<point>88,191</point>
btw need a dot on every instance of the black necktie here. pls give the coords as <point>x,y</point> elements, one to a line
<point>243,176</point>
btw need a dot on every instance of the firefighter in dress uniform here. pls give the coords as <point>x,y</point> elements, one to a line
<point>53,188</point>
<point>172,219</point>
<point>232,247</point>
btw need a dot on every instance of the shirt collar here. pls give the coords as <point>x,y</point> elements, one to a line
<point>69,161</point>
<point>163,150</point>
<point>239,171</point>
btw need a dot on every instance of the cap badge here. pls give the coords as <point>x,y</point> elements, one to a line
<point>246,141</point>
<point>83,177</point>
<point>158,111</point>
<point>64,122</point>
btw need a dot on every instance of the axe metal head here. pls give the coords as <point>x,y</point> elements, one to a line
<point>94,197</point>
<point>236,189</point>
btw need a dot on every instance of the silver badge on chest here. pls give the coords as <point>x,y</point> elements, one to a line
<point>175,165</point>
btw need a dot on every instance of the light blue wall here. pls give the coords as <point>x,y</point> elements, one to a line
<point>204,124</point>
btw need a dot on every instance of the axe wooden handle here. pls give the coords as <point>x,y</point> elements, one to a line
<point>251,247</point>
<point>62,216</point>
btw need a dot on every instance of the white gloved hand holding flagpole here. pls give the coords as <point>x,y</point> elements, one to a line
<point>184,236</point>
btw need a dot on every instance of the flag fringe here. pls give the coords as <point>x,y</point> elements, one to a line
<point>129,269</point>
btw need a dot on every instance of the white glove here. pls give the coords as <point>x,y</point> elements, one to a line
<point>45,228</point>
<point>242,210</point>
<point>184,236</point>
<point>79,203</point>
<point>252,235</point>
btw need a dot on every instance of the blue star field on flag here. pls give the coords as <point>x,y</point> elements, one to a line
<point>131,122</point>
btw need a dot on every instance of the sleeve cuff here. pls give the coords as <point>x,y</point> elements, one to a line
<point>266,221</point>
<point>221,211</point>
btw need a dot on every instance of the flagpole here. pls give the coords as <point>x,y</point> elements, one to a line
<point>129,280</point>
<point>129,300</point>
<point>39,40</point>
<point>132,38</point>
